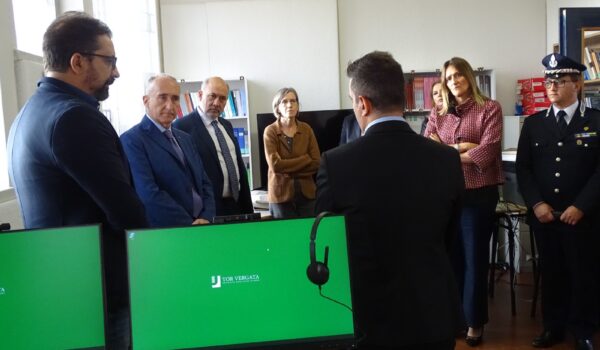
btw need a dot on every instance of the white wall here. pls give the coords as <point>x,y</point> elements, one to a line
<point>273,43</point>
<point>552,16</point>
<point>506,36</point>
<point>248,37</point>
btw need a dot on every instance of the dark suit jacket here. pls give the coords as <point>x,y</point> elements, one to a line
<point>575,155</point>
<point>193,125</point>
<point>350,129</point>
<point>69,168</point>
<point>402,213</point>
<point>161,181</point>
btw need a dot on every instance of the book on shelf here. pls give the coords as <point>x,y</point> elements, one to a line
<point>419,99</point>
<point>428,82</point>
<point>596,64</point>
<point>188,102</point>
<point>408,95</point>
<point>244,104</point>
<point>239,134</point>
<point>237,100</point>
<point>590,60</point>
<point>195,97</point>
<point>484,83</point>
<point>227,112</point>
<point>591,97</point>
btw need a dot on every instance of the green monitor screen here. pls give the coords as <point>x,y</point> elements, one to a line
<point>238,285</point>
<point>51,289</point>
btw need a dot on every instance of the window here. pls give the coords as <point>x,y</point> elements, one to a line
<point>135,36</point>
<point>134,26</point>
<point>3,163</point>
<point>32,17</point>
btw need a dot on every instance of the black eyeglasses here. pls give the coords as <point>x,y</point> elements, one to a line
<point>558,83</point>
<point>112,60</point>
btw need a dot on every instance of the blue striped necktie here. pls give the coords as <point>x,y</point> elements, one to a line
<point>197,201</point>
<point>233,176</point>
<point>169,134</point>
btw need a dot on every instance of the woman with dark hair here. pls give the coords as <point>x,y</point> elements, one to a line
<point>472,124</point>
<point>293,157</point>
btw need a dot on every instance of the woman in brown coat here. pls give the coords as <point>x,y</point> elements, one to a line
<point>293,156</point>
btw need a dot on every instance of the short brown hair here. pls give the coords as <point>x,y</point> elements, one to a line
<point>379,77</point>
<point>279,96</point>
<point>70,33</point>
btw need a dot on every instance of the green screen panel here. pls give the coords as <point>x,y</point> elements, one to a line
<point>238,283</point>
<point>51,289</point>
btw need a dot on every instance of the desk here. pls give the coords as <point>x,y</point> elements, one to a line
<point>507,216</point>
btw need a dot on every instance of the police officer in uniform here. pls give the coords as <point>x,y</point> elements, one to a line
<point>558,172</point>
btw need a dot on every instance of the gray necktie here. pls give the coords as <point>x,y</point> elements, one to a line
<point>196,199</point>
<point>562,123</point>
<point>233,176</point>
<point>169,134</point>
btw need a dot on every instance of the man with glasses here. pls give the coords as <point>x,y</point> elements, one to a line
<point>219,149</point>
<point>558,172</point>
<point>65,159</point>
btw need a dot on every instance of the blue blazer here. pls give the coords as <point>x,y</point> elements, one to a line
<point>193,125</point>
<point>161,180</point>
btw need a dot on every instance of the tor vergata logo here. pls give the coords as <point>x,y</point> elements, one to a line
<point>218,281</point>
<point>215,281</point>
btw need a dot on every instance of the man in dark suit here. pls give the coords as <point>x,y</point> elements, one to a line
<point>65,159</point>
<point>350,129</point>
<point>404,292</point>
<point>219,149</point>
<point>167,171</point>
<point>558,172</point>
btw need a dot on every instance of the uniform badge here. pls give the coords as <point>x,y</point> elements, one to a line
<point>586,128</point>
<point>553,62</point>
<point>579,142</point>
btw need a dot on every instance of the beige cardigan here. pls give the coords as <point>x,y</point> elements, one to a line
<point>285,166</point>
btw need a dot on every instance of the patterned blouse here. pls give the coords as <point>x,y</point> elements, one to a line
<point>480,124</point>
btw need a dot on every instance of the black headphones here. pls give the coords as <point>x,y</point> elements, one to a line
<point>317,272</point>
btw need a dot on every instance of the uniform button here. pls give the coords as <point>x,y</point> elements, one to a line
<point>536,144</point>
<point>585,145</point>
<point>556,190</point>
<point>560,144</point>
<point>558,159</point>
<point>557,174</point>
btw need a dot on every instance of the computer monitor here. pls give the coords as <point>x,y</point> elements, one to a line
<point>51,289</point>
<point>240,285</point>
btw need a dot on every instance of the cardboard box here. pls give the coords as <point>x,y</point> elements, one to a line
<point>533,110</point>
<point>531,84</point>
<point>532,100</point>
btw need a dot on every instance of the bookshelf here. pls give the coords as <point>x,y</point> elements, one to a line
<point>418,88</point>
<point>590,57</point>
<point>236,112</point>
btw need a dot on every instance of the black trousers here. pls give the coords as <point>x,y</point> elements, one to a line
<point>569,262</point>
